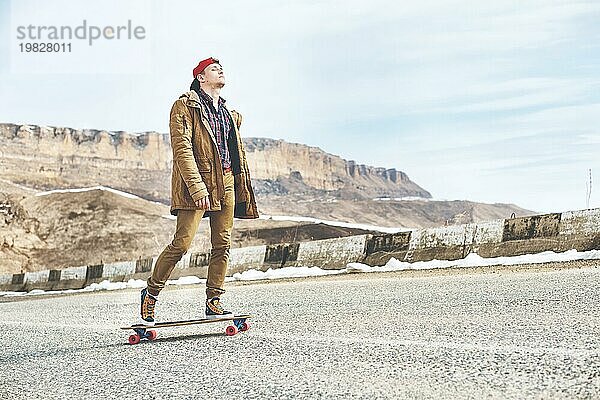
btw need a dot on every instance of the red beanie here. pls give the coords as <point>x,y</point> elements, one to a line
<point>203,64</point>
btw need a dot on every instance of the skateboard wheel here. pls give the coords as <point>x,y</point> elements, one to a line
<point>244,326</point>
<point>152,335</point>
<point>134,339</point>
<point>231,330</point>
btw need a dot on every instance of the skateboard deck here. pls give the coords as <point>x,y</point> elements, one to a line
<point>148,331</point>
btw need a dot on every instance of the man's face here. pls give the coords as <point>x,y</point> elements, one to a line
<point>213,75</point>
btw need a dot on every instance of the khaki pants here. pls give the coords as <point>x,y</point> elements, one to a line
<point>221,225</point>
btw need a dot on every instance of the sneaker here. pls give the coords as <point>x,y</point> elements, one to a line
<point>148,302</point>
<point>214,309</point>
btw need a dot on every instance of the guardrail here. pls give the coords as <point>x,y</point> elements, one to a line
<point>558,232</point>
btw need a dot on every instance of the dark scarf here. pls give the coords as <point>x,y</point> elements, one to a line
<point>231,141</point>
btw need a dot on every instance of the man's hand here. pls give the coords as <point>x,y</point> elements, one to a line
<point>203,203</point>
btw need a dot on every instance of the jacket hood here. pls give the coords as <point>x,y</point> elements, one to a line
<point>191,98</point>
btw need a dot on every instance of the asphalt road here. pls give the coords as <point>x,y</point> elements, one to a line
<point>509,335</point>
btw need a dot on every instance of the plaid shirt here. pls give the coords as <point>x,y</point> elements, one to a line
<point>220,124</point>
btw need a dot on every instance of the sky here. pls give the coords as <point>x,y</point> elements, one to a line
<point>489,101</point>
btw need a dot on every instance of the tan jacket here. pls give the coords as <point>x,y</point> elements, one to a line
<point>197,167</point>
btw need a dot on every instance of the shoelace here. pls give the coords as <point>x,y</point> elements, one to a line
<point>149,306</point>
<point>216,306</point>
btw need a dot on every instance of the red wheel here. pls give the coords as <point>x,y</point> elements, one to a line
<point>134,339</point>
<point>244,326</point>
<point>231,330</point>
<point>152,335</point>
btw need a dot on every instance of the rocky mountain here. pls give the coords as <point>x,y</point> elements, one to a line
<point>294,168</point>
<point>55,157</point>
<point>64,228</point>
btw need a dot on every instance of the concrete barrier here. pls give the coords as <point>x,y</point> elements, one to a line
<point>527,235</point>
<point>486,237</point>
<point>380,248</point>
<point>279,255</point>
<point>443,243</point>
<point>73,273</point>
<point>184,263</point>
<point>245,258</point>
<point>36,280</point>
<point>144,265</point>
<point>119,271</point>
<point>71,278</point>
<point>94,274</point>
<point>578,230</point>
<point>489,231</point>
<point>5,280</point>
<point>331,253</point>
<point>15,282</point>
<point>198,260</point>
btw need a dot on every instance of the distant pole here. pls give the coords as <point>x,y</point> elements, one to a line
<point>588,186</point>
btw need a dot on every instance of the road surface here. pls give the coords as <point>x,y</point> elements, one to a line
<point>481,334</point>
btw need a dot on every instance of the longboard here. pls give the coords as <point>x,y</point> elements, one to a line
<point>148,331</point>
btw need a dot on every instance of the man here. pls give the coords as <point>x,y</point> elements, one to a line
<point>210,178</point>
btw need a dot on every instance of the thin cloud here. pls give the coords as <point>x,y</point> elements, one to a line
<point>440,90</point>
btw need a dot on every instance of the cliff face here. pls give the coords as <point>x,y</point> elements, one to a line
<point>269,159</point>
<point>51,157</point>
<point>147,150</point>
